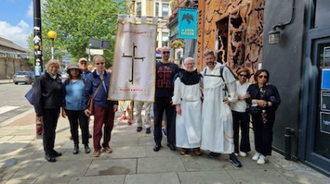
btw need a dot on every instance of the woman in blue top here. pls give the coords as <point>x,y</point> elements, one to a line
<point>73,89</point>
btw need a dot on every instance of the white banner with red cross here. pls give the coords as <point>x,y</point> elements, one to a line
<point>133,71</point>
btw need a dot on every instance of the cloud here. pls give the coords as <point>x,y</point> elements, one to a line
<point>29,12</point>
<point>17,33</point>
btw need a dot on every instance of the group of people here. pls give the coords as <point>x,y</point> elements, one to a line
<point>204,111</point>
<point>50,94</point>
<point>207,110</point>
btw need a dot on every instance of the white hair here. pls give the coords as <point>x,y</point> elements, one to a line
<point>186,60</point>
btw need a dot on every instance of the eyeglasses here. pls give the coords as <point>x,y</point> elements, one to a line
<point>241,75</point>
<point>166,52</point>
<point>262,76</point>
<point>101,63</point>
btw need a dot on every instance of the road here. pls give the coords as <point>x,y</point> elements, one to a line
<point>13,101</point>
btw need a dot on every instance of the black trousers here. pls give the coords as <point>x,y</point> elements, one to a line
<point>77,118</point>
<point>263,133</point>
<point>241,121</point>
<point>161,104</point>
<point>50,118</point>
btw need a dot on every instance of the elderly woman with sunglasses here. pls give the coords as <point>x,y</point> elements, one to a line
<point>264,100</point>
<point>241,118</point>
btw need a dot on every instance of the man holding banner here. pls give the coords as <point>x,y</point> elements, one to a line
<point>165,72</point>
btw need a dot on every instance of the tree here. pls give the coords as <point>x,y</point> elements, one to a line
<point>75,21</point>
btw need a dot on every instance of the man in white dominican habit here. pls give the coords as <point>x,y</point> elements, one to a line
<point>219,91</point>
<point>188,103</point>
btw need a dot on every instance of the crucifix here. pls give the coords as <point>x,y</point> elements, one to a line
<point>133,58</point>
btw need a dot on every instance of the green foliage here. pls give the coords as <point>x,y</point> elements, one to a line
<point>75,21</point>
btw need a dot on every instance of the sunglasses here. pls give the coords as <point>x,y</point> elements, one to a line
<point>262,76</point>
<point>241,75</point>
<point>101,63</point>
<point>166,52</point>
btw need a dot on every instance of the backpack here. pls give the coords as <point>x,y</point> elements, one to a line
<point>221,76</point>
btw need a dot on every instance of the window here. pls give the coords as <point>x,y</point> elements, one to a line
<point>138,9</point>
<point>165,10</point>
<point>321,14</point>
<point>164,39</point>
<point>157,10</point>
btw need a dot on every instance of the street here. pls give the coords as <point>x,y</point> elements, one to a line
<point>12,99</point>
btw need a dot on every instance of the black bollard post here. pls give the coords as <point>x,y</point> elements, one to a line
<point>287,136</point>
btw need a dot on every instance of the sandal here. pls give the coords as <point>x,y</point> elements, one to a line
<point>183,151</point>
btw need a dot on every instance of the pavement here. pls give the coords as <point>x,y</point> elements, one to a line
<point>132,162</point>
<point>6,81</point>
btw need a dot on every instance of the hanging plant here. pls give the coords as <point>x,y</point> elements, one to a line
<point>177,44</point>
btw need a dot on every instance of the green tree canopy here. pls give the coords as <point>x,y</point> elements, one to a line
<point>75,21</point>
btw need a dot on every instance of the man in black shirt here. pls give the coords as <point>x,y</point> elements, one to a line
<point>165,72</point>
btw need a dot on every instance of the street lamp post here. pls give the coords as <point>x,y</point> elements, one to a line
<point>52,35</point>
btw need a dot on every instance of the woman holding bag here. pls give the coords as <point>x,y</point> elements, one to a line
<point>97,87</point>
<point>263,101</point>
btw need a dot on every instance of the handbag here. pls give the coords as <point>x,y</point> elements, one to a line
<point>90,103</point>
<point>29,96</point>
<point>253,109</point>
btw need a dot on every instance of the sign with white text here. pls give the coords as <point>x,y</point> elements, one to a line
<point>187,24</point>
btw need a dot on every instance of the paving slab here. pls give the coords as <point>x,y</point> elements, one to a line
<point>124,140</point>
<point>145,140</point>
<point>159,164</point>
<point>127,152</point>
<point>112,167</point>
<point>118,179</point>
<point>17,180</point>
<point>61,169</point>
<point>304,176</point>
<point>28,170</point>
<point>57,180</point>
<point>254,176</point>
<point>159,178</point>
<point>163,152</point>
<point>203,163</point>
<point>205,177</point>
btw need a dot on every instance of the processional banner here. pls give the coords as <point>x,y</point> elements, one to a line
<point>133,71</point>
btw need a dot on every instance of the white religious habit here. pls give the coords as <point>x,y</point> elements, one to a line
<point>134,65</point>
<point>217,131</point>
<point>187,94</point>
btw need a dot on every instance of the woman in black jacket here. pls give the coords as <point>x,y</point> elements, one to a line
<point>263,101</point>
<point>47,100</point>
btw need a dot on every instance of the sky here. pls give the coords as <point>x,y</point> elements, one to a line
<point>16,20</point>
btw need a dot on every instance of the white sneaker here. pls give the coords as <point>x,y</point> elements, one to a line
<point>242,154</point>
<point>256,156</point>
<point>236,154</point>
<point>261,160</point>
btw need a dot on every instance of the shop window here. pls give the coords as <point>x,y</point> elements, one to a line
<point>164,39</point>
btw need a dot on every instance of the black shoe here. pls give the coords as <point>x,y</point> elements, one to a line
<point>213,155</point>
<point>71,138</point>
<point>90,135</point>
<point>171,146</point>
<point>157,147</point>
<point>56,154</point>
<point>75,149</point>
<point>148,131</point>
<point>139,129</point>
<point>87,149</point>
<point>233,160</point>
<point>50,158</point>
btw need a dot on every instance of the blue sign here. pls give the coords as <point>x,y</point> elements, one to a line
<point>187,24</point>
<point>325,84</point>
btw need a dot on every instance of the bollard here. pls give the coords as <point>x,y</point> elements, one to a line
<point>288,133</point>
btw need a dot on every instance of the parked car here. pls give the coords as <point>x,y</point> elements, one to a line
<point>27,77</point>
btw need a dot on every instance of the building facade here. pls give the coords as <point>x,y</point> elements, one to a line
<point>13,58</point>
<point>291,39</point>
<point>156,8</point>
